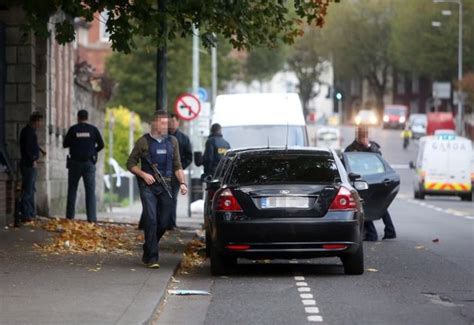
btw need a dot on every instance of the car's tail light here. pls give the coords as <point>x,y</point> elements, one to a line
<point>226,202</point>
<point>344,200</point>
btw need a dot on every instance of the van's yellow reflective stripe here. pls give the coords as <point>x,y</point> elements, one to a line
<point>438,186</point>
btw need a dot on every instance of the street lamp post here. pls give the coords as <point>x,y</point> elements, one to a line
<point>460,101</point>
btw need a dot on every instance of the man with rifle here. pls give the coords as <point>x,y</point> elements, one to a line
<point>158,156</point>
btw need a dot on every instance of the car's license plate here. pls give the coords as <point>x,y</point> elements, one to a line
<point>284,202</point>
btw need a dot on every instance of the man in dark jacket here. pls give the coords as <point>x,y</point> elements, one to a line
<point>186,155</point>
<point>30,153</point>
<point>362,143</point>
<point>84,142</point>
<point>216,147</point>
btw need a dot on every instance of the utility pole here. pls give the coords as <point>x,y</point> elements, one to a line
<point>161,60</point>
<point>214,75</point>
<point>131,140</point>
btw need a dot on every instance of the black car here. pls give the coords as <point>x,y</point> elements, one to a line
<point>283,203</point>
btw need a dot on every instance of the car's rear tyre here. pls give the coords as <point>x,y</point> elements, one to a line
<point>208,244</point>
<point>220,263</point>
<point>354,263</point>
<point>466,197</point>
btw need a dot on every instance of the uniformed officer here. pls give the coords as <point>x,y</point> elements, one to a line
<point>362,143</point>
<point>186,155</point>
<point>161,150</point>
<point>216,147</point>
<point>84,142</point>
<point>30,153</point>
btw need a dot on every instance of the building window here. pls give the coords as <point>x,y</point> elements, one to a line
<point>104,34</point>
<point>400,84</point>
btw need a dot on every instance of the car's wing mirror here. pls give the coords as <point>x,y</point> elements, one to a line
<point>354,176</point>
<point>198,160</point>
<point>411,164</point>
<point>361,185</point>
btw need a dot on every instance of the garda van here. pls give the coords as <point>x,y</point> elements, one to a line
<point>443,166</point>
<point>260,120</point>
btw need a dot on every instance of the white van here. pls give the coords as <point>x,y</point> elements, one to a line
<point>259,120</point>
<point>443,166</point>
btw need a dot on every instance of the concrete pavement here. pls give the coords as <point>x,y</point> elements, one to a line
<point>84,289</point>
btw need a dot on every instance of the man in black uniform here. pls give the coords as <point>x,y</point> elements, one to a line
<point>84,142</point>
<point>216,147</point>
<point>162,151</point>
<point>186,155</point>
<point>362,143</point>
<point>30,152</point>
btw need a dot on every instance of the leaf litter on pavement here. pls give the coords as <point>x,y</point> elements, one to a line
<point>193,256</point>
<point>80,237</point>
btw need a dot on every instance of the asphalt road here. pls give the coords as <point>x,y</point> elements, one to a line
<point>425,276</point>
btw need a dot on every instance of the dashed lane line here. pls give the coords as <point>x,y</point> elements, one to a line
<point>442,210</point>
<point>307,299</point>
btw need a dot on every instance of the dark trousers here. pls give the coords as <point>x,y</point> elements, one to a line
<point>174,192</point>
<point>28,181</point>
<point>86,170</point>
<point>371,232</point>
<point>157,209</point>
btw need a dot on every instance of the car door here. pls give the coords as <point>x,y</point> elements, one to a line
<point>383,181</point>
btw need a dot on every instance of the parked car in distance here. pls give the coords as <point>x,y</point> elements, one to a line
<point>366,117</point>
<point>328,137</point>
<point>395,116</point>
<point>417,124</point>
<point>283,203</point>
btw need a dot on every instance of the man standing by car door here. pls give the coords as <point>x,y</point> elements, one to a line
<point>362,143</point>
<point>156,151</point>
<point>186,155</point>
<point>84,142</point>
<point>216,147</point>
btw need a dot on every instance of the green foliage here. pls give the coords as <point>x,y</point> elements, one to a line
<point>306,61</point>
<point>120,128</point>
<point>244,22</point>
<point>418,47</point>
<point>136,77</point>
<point>263,62</point>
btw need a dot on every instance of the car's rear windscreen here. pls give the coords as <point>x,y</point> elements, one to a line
<point>278,168</point>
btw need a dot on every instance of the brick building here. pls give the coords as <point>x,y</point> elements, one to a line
<point>39,74</point>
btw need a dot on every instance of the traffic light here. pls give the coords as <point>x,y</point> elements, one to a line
<point>338,95</point>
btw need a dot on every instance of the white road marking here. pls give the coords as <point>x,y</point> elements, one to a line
<point>311,310</point>
<point>304,289</point>
<point>449,211</point>
<point>315,318</point>
<point>469,217</point>
<point>306,296</point>
<point>309,302</point>
<point>299,278</point>
<point>301,284</point>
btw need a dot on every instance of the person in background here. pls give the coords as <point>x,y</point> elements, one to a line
<point>362,143</point>
<point>216,148</point>
<point>30,153</point>
<point>186,155</point>
<point>84,142</point>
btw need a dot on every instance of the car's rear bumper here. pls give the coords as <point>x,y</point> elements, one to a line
<point>286,238</point>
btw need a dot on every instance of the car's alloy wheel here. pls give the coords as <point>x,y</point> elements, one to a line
<point>354,263</point>
<point>220,263</point>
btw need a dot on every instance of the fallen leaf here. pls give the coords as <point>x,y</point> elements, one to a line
<point>372,270</point>
<point>419,247</point>
<point>133,270</point>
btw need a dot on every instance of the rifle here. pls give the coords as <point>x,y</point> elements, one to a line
<point>158,177</point>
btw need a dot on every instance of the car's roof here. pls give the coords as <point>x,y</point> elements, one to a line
<point>278,150</point>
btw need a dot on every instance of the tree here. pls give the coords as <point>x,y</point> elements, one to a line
<point>418,47</point>
<point>243,22</point>
<point>307,61</point>
<point>357,34</point>
<point>121,129</point>
<point>263,62</point>
<point>135,77</point>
